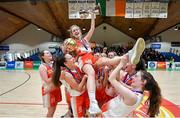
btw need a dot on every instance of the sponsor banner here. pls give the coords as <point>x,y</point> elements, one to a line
<point>28,64</point>
<point>2,64</point>
<point>177,65</point>
<point>152,65</point>
<point>161,65</point>
<point>4,48</point>
<point>168,66</point>
<point>156,46</point>
<point>10,65</point>
<point>36,64</point>
<point>19,65</point>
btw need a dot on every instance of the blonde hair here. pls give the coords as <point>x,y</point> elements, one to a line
<point>70,30</point>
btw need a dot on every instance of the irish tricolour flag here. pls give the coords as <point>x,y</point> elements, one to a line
<point>112,7</point>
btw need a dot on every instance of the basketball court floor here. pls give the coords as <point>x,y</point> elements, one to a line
<point>20,93</point>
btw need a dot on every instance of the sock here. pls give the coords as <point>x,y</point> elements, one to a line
<point>92,96</point>
<point>129,55</point>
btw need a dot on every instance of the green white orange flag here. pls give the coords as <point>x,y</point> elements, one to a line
<point>112,7</point>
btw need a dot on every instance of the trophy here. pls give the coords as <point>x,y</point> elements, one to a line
<point>82,9</point>
<point>85,13</point>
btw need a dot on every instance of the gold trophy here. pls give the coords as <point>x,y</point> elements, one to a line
<point>84,13</point>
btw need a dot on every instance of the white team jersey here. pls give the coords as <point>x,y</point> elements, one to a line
<point>44,84</point>
<point>70,90</point>
<point>117,108</point>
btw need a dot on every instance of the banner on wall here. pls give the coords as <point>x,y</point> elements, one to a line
<point>163,9</point>
<point>156,46</point>
<point>146,10</point>
<point>172,67</point>
<point>129,12</point>
<point>152,65</point>
<point>4,48</point>
<point>155,9</point>
<point>36,64</point>
<point>161,65</point>
<point>2,64</point>
<point>28,64</point>
<point>177,65</point>
<point>138,9</point>
<point>10,65</point>
<point>19,65</point>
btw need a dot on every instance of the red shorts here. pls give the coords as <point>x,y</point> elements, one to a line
<point>52,98</point>
<point>102,97</point>
<point>87,58</point>
<point>80,104</point>
<point>55,96</point>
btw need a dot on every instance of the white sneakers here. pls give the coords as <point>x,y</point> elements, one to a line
<point>94,108</point>
<point>136,52</point>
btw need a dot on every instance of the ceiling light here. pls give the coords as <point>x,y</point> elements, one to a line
<point>176,28</point>
<point>84,29</point>
<point>130,28</point>
<point>38,28</point>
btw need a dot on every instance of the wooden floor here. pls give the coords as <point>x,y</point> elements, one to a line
<point>20,92</point>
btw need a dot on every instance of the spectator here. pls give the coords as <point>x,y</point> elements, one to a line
<point>171,61</point>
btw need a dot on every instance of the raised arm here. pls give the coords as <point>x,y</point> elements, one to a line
<point>91,31</point>
<point>127,94</point>
<point>105,82</point>
<point>121,77</point>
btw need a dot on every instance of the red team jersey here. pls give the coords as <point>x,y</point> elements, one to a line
<point>79,102</point>
<point>84,53</point>
<point>54,96</point>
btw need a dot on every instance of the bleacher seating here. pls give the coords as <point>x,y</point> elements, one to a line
<point>168,55</point>
<point>35,57</point>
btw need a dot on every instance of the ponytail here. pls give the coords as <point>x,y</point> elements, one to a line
<point>58,63</point>
<point>41,55</point>
<point>155,94</point>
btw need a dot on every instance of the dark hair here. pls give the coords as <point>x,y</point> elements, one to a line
<point>140,65</point>
<point>41,55</point>
<point>155,93</point>
<point>58,63</point>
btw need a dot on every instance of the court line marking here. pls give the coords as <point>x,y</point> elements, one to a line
<point>29,76</point>
<point>27,103</point>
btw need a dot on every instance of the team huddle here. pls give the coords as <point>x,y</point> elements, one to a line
<point>96,85</point>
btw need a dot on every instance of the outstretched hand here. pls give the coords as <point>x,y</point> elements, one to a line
<point>93,15</point>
